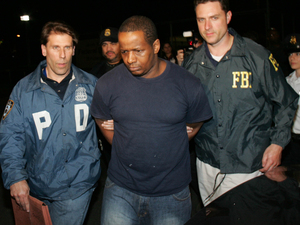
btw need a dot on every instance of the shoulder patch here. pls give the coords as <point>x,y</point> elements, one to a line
<point>8,108</point>
<point>274,62</point>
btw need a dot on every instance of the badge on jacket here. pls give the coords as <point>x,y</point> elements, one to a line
<point>80,94</point>
<point>8,108</point>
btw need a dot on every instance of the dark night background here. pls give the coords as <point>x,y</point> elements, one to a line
<point>19,56</point>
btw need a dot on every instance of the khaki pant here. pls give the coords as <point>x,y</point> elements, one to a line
<point>213,184</point>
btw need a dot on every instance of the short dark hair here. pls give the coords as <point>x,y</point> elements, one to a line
<point>224,3</point>
<point>140,23</point>
<point>58,27</point>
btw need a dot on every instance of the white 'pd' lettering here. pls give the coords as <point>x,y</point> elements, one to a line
<point>47,119</point>
<point>77,109</point>
<point>39,124</point>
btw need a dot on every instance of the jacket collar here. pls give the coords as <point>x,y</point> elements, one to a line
<point>35,80</point>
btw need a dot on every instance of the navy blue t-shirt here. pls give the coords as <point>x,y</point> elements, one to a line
<point>150,149</point>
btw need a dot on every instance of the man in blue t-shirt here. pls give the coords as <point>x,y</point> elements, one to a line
<point>151,101</point>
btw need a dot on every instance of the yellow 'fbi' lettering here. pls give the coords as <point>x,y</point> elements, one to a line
<point>245,79</point>
<point>236,78</point>
<point>242,78</point>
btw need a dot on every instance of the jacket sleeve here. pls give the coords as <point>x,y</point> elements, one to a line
<point>12,143</point>
<point>283,100</point>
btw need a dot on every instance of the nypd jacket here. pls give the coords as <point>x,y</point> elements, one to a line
<point>252,106</point>
<point>50,142</point>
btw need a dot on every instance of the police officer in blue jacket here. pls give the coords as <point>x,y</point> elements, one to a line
<point>48,141</point>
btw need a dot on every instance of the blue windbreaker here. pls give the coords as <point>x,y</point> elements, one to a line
<point>49,142</point>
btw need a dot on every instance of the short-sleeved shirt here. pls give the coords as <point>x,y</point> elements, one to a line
<point>150,149</point>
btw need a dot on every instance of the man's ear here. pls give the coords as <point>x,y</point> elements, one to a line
<point>156,46</point>
<point>228,16</point>
<point>44,51</point>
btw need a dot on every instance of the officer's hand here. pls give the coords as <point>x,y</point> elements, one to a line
<point>277,174</point>
<point>271,158</point>
<point>180,56</point>
<point>20,192</point>
<point>189,129</point>
<point>108,125</point>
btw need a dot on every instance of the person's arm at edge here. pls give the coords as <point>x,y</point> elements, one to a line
<point>180,56</point>
<point>284,100</point>
<point>12,145</point>
<point>196,127</point>
<point>108,134</point>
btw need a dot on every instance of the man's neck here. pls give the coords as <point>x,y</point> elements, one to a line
<point>114,61</point>
<point>158,68</point>
<point>222,47</point>
<point>57,78</point>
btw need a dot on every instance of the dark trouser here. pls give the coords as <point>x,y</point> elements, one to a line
<point>291,153</point>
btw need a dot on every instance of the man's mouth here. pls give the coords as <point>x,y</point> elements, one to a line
<point>61,64</point>
<point>109,53</point>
